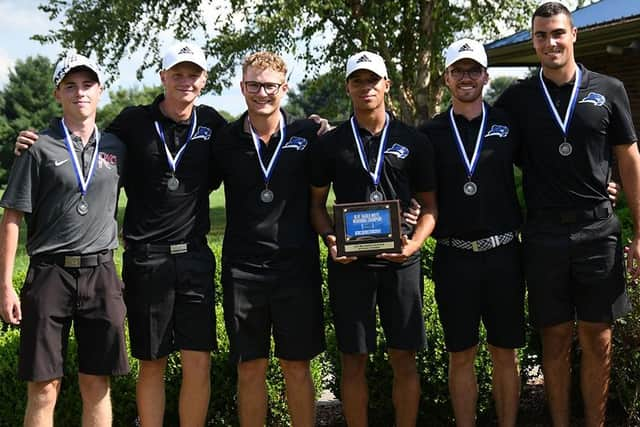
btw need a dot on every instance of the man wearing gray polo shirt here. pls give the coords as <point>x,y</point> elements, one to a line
<point>66,189</point>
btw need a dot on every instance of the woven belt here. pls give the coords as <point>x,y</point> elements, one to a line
<point>75,261</point>
<point>479,245</point>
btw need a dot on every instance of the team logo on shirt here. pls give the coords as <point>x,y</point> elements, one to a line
<point>107,160</point>
<point>296,142</point>
<point>400,151</point>
<point>593,98</point>
<point>500,131</point>
<point>202,133</point>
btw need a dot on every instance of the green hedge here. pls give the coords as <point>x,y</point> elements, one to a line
<point>435,408</point>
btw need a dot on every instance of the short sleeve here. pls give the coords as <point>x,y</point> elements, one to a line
<point>22,188</point>
<point>321,169</point>
<point>621,129</point>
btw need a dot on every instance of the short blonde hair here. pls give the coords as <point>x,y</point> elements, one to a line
<point>264,60</point>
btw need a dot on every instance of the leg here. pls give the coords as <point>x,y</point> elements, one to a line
<point>301,396</point>
<point>595,365</point>
<point>354,391</point>
<point>463,386</point>
<point>506,384</point>
<point>252,392</point>
<point>556,365</point>
<point>41,399</point>
<point>406,386</point>
<point>150,392</point>
<point>196,387</point>
<point>96,400</point>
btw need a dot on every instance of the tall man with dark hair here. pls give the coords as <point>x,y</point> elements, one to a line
<point>66,188</point>
<point>570,121</point>
<point>374,156</point>
<point>270,261</point>
<point>477,268</point>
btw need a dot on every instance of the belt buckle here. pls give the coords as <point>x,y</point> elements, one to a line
<point>474,246</point>
<point>178,248</point>
<point>72,261</point>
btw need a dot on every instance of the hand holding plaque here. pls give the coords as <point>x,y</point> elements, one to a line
<point>368,228</point>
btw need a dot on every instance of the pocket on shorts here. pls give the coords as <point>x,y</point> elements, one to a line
<point>28,282</point>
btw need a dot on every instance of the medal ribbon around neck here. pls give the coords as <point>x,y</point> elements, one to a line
<point>173,162</point>
<point>83,183</point>
<point>470,166</point>
<point>268,170</point>
<point>375,175</point>
<point>564,125</point>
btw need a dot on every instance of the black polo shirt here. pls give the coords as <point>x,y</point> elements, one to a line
<point>256,229</point>
<point>407,167</point>
<point>602,119</point>
<point>153,213</point>
<point>494,208</point>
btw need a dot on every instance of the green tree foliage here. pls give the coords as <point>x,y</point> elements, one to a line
<point>497,86</point>
<point>25,102</point>
<point>312,95</point>
<point>409,34</point>
<point>122,98</point>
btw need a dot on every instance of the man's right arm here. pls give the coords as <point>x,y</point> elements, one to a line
<point>321,222</point>
<point>9,301</point>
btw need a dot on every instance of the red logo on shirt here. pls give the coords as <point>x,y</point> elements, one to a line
<point>107,160</point>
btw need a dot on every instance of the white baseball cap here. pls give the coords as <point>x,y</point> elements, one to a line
<point>71,61</point>
<point>184,52</point>
<point>366,61</point>
<point>466,49</point>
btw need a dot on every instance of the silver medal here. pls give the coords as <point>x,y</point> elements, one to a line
<point>173,183</point>
<point>470,188</point>
<point>266,195</point>
<point>376,196</point>
<point>565,149</point>
<point>82,207</point>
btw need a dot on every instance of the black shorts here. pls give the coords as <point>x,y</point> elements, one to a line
<point>356,288</point>
<point>473,286</point>
<point>54,297</point>
<point>575,271</point>
<point>284,297</point>
<point>170,301</point>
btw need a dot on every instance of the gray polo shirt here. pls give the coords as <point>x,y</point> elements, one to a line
<point>43,185</point>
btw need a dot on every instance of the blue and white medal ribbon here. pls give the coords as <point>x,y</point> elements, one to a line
<point>173,183</point>
<point>376,195</point>
<point>83,182</point>
<point>470,188</point>
<point>565,149</point>
<point>267,195</point>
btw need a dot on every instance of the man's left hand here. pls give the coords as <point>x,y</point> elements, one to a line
<point>325,126</point>
<point>409,247</point>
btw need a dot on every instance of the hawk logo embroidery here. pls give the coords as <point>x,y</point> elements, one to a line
<point>363,58</point>
<point>593,98</point>
<point>400,151</point>
<point>465,48</point>
<point>107,160</point>
<point>500,131</point>
<point>202,133</point>
<point>297,143</point>
<point>185,51</point>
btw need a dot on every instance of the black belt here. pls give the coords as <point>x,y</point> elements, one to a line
<point>602,211</point>
<point>74,261</point>
<point>165,248</point>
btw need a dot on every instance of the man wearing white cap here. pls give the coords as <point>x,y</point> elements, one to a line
<point>375,157</point>
<point>476,267</point>
<point>66,189</point>
<point>168,267</point>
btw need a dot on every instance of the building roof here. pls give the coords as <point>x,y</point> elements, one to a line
<point>592,21</point>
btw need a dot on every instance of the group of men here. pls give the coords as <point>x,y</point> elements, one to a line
<point>277,174</point>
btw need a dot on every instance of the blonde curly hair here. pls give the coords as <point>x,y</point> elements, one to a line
<point>264,60</point>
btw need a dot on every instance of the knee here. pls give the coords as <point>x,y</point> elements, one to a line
<point>196,364</point>
<point>252,371</point>
<point>93,388</point>
<point>460,360</point>
<point>153,368</point>
<point>403,363</point>
<point>503,357</point>
<point>353,366</point>
<point>295,370</point>
<point>43,394</point>
<point>595,338</point>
